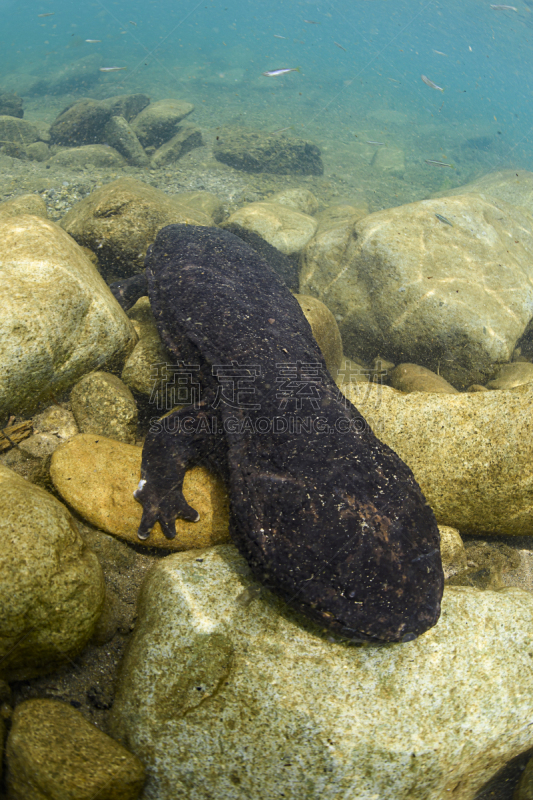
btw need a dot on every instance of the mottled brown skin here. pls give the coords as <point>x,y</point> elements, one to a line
<point>330,518</point>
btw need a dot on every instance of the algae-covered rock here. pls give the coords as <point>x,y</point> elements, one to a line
<point>53,753</point>
<point>254,151</point>
<point>160,121</point>
<point>52,584</point>
<point>120,220</point>
<point>119,134</point>
<point>102,403</point>
<point>59,320</point>
<point>97,477</point>
<point>97,155</point>
<point>227,689</point>
<point>24,204</point>
<point>188,138</point>
<point>81,123</point>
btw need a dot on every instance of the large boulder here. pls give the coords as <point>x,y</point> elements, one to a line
<point>120,220</point>
<point>432,283</point>
<point>471,453</point>
<point>254,151</point>
<point>52,584</point>
<point>59,320</point>
<point>225,688</point>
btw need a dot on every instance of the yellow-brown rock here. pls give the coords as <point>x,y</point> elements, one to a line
<point>511,375</point>
<point>24,204</point>
<point>325,330</point>
<point>97,477</point>
<point>414,378</point>
<point>52,584</point>
<point>471,453</point>
<point>120,220</point>
<point>53,753</point>
<point>59,320</point>
<point>280,226</point>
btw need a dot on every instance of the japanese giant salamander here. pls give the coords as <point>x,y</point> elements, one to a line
<point>325,514</point>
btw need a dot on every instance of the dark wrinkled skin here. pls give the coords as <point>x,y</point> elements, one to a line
<point>334,522</point>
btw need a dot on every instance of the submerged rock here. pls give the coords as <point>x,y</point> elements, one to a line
<point>98,155</point>
<point>406,284</point>
<point>181,143</point>
<point>511,375</point>
<point>413,378</point>
<point>282,227</point>
<point>227,689</point>
<point>97,477</point>
<point>471,453</point>
<point>10,105</point>
<point>127,105</point>
<point>81,123</point>
<point>120,220</point>
<point>52,584</point>
<point>101,403</point>
<point>24,204</point>
<point>53,752</point>
<point>160,121</point>
<point>59,320</point>
<point>15,134</point>
<point>255,151</point>
<point>119,134</point>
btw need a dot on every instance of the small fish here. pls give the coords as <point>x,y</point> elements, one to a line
<point>431,84</point>
<point>377,144</point>
<point>340,45</point>
<point>443,219</point>
<point>93,41</point>
<point>132,22</point>
<point>311,22</point>
<point>440,53</point>
<point>438,163</point>
<point>111,69</point>
<point>277,36</point>
<point>504,8</point>
<point>273,73</point>
<point>281,130</point>
<point>50,14</point>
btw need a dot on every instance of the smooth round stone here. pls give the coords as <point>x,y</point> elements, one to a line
<point>414,378</point>
<point>97,477</point>
<point>511,375</point>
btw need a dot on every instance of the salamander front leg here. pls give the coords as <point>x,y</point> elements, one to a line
<point>167,455</point>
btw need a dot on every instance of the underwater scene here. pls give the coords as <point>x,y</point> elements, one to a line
<point>266,386</point>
